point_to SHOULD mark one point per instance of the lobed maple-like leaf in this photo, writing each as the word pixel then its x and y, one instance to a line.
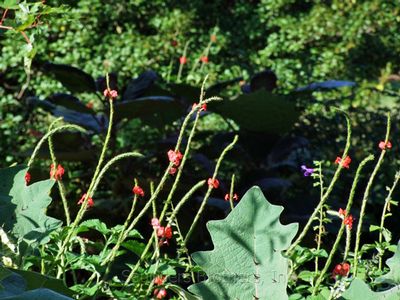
pixel 23 208
pixel 247 261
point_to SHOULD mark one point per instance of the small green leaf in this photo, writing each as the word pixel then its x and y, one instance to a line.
pixel 374 228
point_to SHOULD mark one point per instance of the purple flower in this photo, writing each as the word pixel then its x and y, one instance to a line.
pixel 307 171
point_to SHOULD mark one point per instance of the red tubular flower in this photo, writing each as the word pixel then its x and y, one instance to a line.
pixel 164 234
pixel 27 178
pixel 175 157
pixel 235 197
pixel 204 59
pixel 204 107
pixel 342 212
pixel 159 280
pixel 155 223
pixel 110 93
pixel 345 163
pixel 348 221
pixel 214 183
pixel 384 146
pixel 182 60
pixel 342 269
pixel 90 202
pixel 56 174
pixel 137 190
pixel 160 294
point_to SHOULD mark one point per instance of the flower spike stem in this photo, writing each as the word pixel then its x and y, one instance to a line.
pixel 321 214
pixel 210 188
pixel 50 133
pixel 328 191
pixel 90 191
pixel 342 226
pixel 61 187
pixel 385 208
pixel 366 195
pixel 231 191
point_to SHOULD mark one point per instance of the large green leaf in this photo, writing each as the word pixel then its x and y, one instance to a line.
pixel 359 290
pixel 22 207
pixel 260 111
pixel 247 260
pixel 393 276
pixel 18 287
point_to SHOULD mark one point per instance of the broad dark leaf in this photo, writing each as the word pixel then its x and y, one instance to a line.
pixel 260 111
pixel 327 85
pixel 69 102
pixel 74 79
pixel 153 110
pixel 138 86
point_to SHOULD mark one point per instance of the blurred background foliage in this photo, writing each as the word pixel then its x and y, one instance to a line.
pixel 322 53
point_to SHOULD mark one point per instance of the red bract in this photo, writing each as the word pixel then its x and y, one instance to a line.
pixel 345 163
pixel 137 190
pixel 160 294
pixel 213 182
pixel 342 212
pixel 175 157
pixel 90 202
pixel 342 269
pixel 182 60
pixel 155 223
pixel 110 93
pixel 348 221
pixel 235 197
pixel 159 280
pixel 56 174
pixel 27 178
pixel 204 59
pixel 385 146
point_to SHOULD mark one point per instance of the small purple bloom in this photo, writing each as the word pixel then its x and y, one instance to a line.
pixel 307 171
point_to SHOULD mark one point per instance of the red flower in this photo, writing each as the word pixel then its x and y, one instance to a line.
pixel 342 269
pixel 90 201
pixel 110 93
pixel 164 234
pixel 345 163
pixel 159 280
pixel 137 190
pixel 27 178
pixel 213 38
pixel 175 157
pixel 342 212
pixel 172 171
pixel 182 60
pixel 160 294
pixel 235 197
pixel 214 183
pixel 56 174
pixel 348 221
pixel 204 59
pixel 204 107
pixel 384 146
pixel 89 105
pixel 155 223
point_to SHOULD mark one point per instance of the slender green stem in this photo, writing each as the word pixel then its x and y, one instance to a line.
pixel 321 216
pixel 342 227
pixel 61 187
pixel 327 193
pixel 383 217
pixel 231 191
pixel 366 196
pixel 348 243
pixel 203 204
pixel 181 65
pixel 90 191
pixel 50 133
